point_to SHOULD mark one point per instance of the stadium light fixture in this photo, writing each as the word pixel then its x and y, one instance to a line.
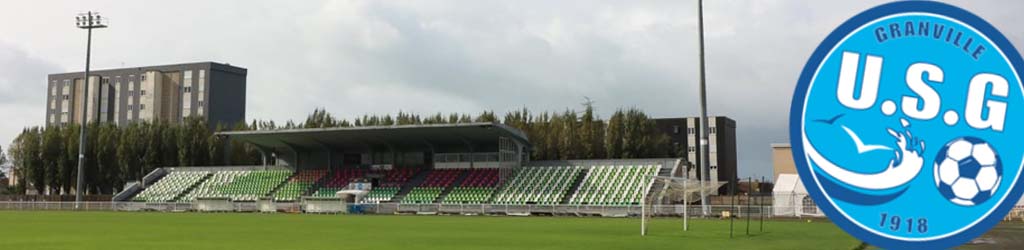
pixel 88 21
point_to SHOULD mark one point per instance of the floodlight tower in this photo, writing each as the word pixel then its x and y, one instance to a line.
pixel 705 170
pixel 88 21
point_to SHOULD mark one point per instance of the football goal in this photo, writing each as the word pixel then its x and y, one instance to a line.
pixel 667 191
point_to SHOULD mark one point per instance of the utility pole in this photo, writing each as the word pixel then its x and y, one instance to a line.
pixel 88 21
pixel 705 169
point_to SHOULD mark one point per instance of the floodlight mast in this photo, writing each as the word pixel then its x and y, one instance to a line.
pixel 88 21
pixel 705 169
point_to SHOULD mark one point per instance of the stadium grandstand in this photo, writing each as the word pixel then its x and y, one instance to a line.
pixel 451 164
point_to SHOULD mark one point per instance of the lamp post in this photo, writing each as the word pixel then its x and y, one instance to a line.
pixel 88 21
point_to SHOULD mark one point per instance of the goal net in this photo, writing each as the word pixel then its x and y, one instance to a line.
pixel 323 205
pixel 669 196
pixel 214 204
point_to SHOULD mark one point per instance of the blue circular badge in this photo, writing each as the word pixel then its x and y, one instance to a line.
pixel 905 126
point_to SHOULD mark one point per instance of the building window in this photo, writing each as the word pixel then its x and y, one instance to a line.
pixel 675 129
pixel 105 80
pixel 142 92
pixel 142 106
pixel 67 83
pixel 142 77
pixel 65 97
pixel 713 130
pixel 187 81
pixel 200 104
pixel 202 80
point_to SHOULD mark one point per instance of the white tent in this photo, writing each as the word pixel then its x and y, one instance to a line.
pixel 790 198
pixel 1017 212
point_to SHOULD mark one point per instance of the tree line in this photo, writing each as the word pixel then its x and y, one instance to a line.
pixel 571 134
pixel 47 157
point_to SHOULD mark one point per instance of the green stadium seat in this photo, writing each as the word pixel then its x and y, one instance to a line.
pixel 435 183
pixel 239 185
pixel 537 185
pixel 477 188
pixel 299 184
pixel 171 186
pixel 613 185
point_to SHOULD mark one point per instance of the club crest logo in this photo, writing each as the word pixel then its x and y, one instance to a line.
pixel 906 126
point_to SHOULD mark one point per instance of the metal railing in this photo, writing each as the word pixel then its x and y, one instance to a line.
pixel 397 208
pixel 1017 214
pixel 56 205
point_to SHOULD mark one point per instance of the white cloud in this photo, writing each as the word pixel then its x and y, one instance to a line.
pixel 22 91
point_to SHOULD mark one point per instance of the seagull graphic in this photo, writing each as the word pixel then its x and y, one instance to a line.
pixel 830 121
pixel 861 148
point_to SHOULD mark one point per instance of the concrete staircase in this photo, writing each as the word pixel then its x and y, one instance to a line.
pixel 190 188
pixel 280 185
pixel 318 184
pixel 413 182
pixel 135 188
pixel 458 182
pixel 575 185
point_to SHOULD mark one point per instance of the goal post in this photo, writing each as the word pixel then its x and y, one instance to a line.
pixel 674 189
pixel 214 204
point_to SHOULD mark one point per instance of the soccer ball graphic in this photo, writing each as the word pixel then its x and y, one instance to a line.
pixel 968 171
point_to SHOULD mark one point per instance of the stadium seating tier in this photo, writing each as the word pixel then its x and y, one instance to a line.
pixel 171 186
pixel 538 185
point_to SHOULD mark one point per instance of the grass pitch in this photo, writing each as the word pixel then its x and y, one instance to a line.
pixel 195 231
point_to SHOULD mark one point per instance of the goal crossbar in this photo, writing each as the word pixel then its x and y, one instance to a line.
pixel 674 187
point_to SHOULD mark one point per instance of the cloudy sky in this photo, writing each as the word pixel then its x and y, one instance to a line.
pixel 427 56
